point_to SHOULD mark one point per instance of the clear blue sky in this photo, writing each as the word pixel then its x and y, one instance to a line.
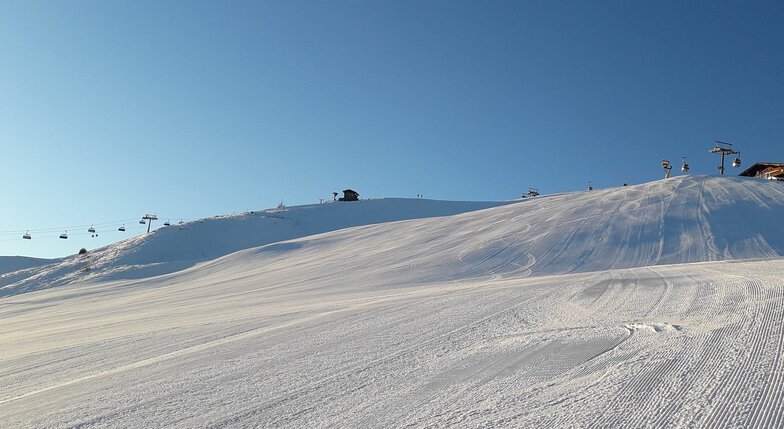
pixel 187 109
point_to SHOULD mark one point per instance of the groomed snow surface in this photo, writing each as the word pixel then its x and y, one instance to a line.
pixel 656 305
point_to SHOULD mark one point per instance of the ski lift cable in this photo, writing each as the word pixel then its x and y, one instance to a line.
pixel 97 226
pixel 56 234
pixel 74 227
pixel 85 232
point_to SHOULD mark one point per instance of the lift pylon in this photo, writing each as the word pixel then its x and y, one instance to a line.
pixel 725 149
pixel 149 218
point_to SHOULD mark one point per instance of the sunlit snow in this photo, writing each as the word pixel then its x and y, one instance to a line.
pixel 655 305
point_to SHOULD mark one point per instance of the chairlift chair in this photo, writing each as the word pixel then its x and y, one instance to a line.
pixel 684 166
pixel 121 229
pixel 91 229
pixel 64 235
pixel 27 236
pixel 667 168
pixel 142 222
pixel 736 161
pixel 167 223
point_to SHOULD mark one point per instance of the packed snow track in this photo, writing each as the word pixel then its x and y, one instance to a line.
pixel 696 345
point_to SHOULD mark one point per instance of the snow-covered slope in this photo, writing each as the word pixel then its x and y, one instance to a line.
pixel 697 345
pixel 10 264
pixel 177 247
pixel 683 219
pixel 590 309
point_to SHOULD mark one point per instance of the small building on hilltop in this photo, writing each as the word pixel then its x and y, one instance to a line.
pixel 349 195
pixel 765 170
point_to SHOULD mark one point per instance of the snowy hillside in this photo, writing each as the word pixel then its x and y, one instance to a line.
pixel 684 219
pixel 591 309
pixel 174 248
pixel 10 264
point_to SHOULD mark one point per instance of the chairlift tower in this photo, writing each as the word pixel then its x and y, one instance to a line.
pixel 725 149
pixel 149 218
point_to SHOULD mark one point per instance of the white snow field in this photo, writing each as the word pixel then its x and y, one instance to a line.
pixel 655 305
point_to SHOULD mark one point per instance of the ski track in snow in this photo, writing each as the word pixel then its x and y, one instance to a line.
pixel 695 345
pixel 622 308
